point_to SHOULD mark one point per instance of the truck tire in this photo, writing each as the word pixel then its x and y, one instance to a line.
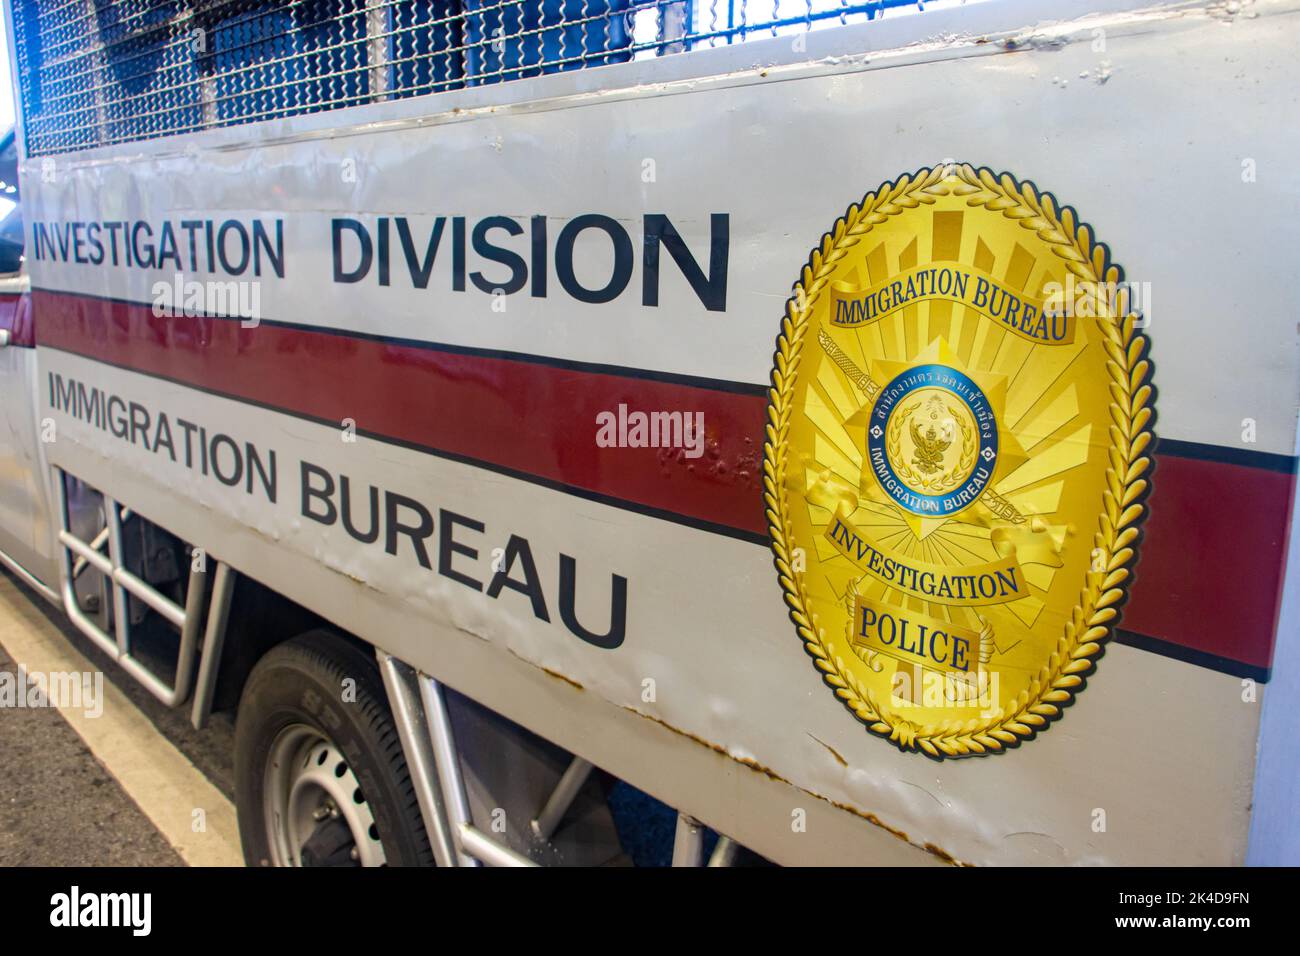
pixel 320 778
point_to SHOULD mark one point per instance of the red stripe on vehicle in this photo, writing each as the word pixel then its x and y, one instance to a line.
pixel 1211 571
pixel 1209 578
pixel 523 416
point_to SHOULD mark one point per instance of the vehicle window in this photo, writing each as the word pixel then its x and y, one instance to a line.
pixel 11 218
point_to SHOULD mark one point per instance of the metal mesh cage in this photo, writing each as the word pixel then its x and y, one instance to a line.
pixel 97 72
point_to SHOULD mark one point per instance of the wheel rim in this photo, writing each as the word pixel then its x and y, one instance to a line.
pixel 314 804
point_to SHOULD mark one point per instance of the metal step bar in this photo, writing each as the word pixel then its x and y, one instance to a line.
pixel 124 583
pixel 31 580
pixel 566 791
pixel 420 712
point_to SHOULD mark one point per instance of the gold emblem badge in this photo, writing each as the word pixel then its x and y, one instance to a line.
pixel 957 457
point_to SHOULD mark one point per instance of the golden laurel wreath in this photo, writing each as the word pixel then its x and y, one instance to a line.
pixel 947 480
pixel 1115 541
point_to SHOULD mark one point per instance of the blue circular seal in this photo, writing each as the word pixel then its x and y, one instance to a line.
pixel 932 440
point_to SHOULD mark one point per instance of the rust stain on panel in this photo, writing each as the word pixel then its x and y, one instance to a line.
pixel 558 676
pixel 834 753
pixel 757 767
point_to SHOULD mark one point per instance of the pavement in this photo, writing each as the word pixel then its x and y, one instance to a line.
pixel 58 805
pixel 165 801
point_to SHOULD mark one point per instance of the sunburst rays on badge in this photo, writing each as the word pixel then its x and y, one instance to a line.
pixel 1043 407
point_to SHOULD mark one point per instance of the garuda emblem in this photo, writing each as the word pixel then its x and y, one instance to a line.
pixel 957 458
pixel 929 447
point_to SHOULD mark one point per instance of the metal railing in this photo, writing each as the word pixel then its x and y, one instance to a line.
pixel 98 72
pixel 76 556
pixel 424 726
